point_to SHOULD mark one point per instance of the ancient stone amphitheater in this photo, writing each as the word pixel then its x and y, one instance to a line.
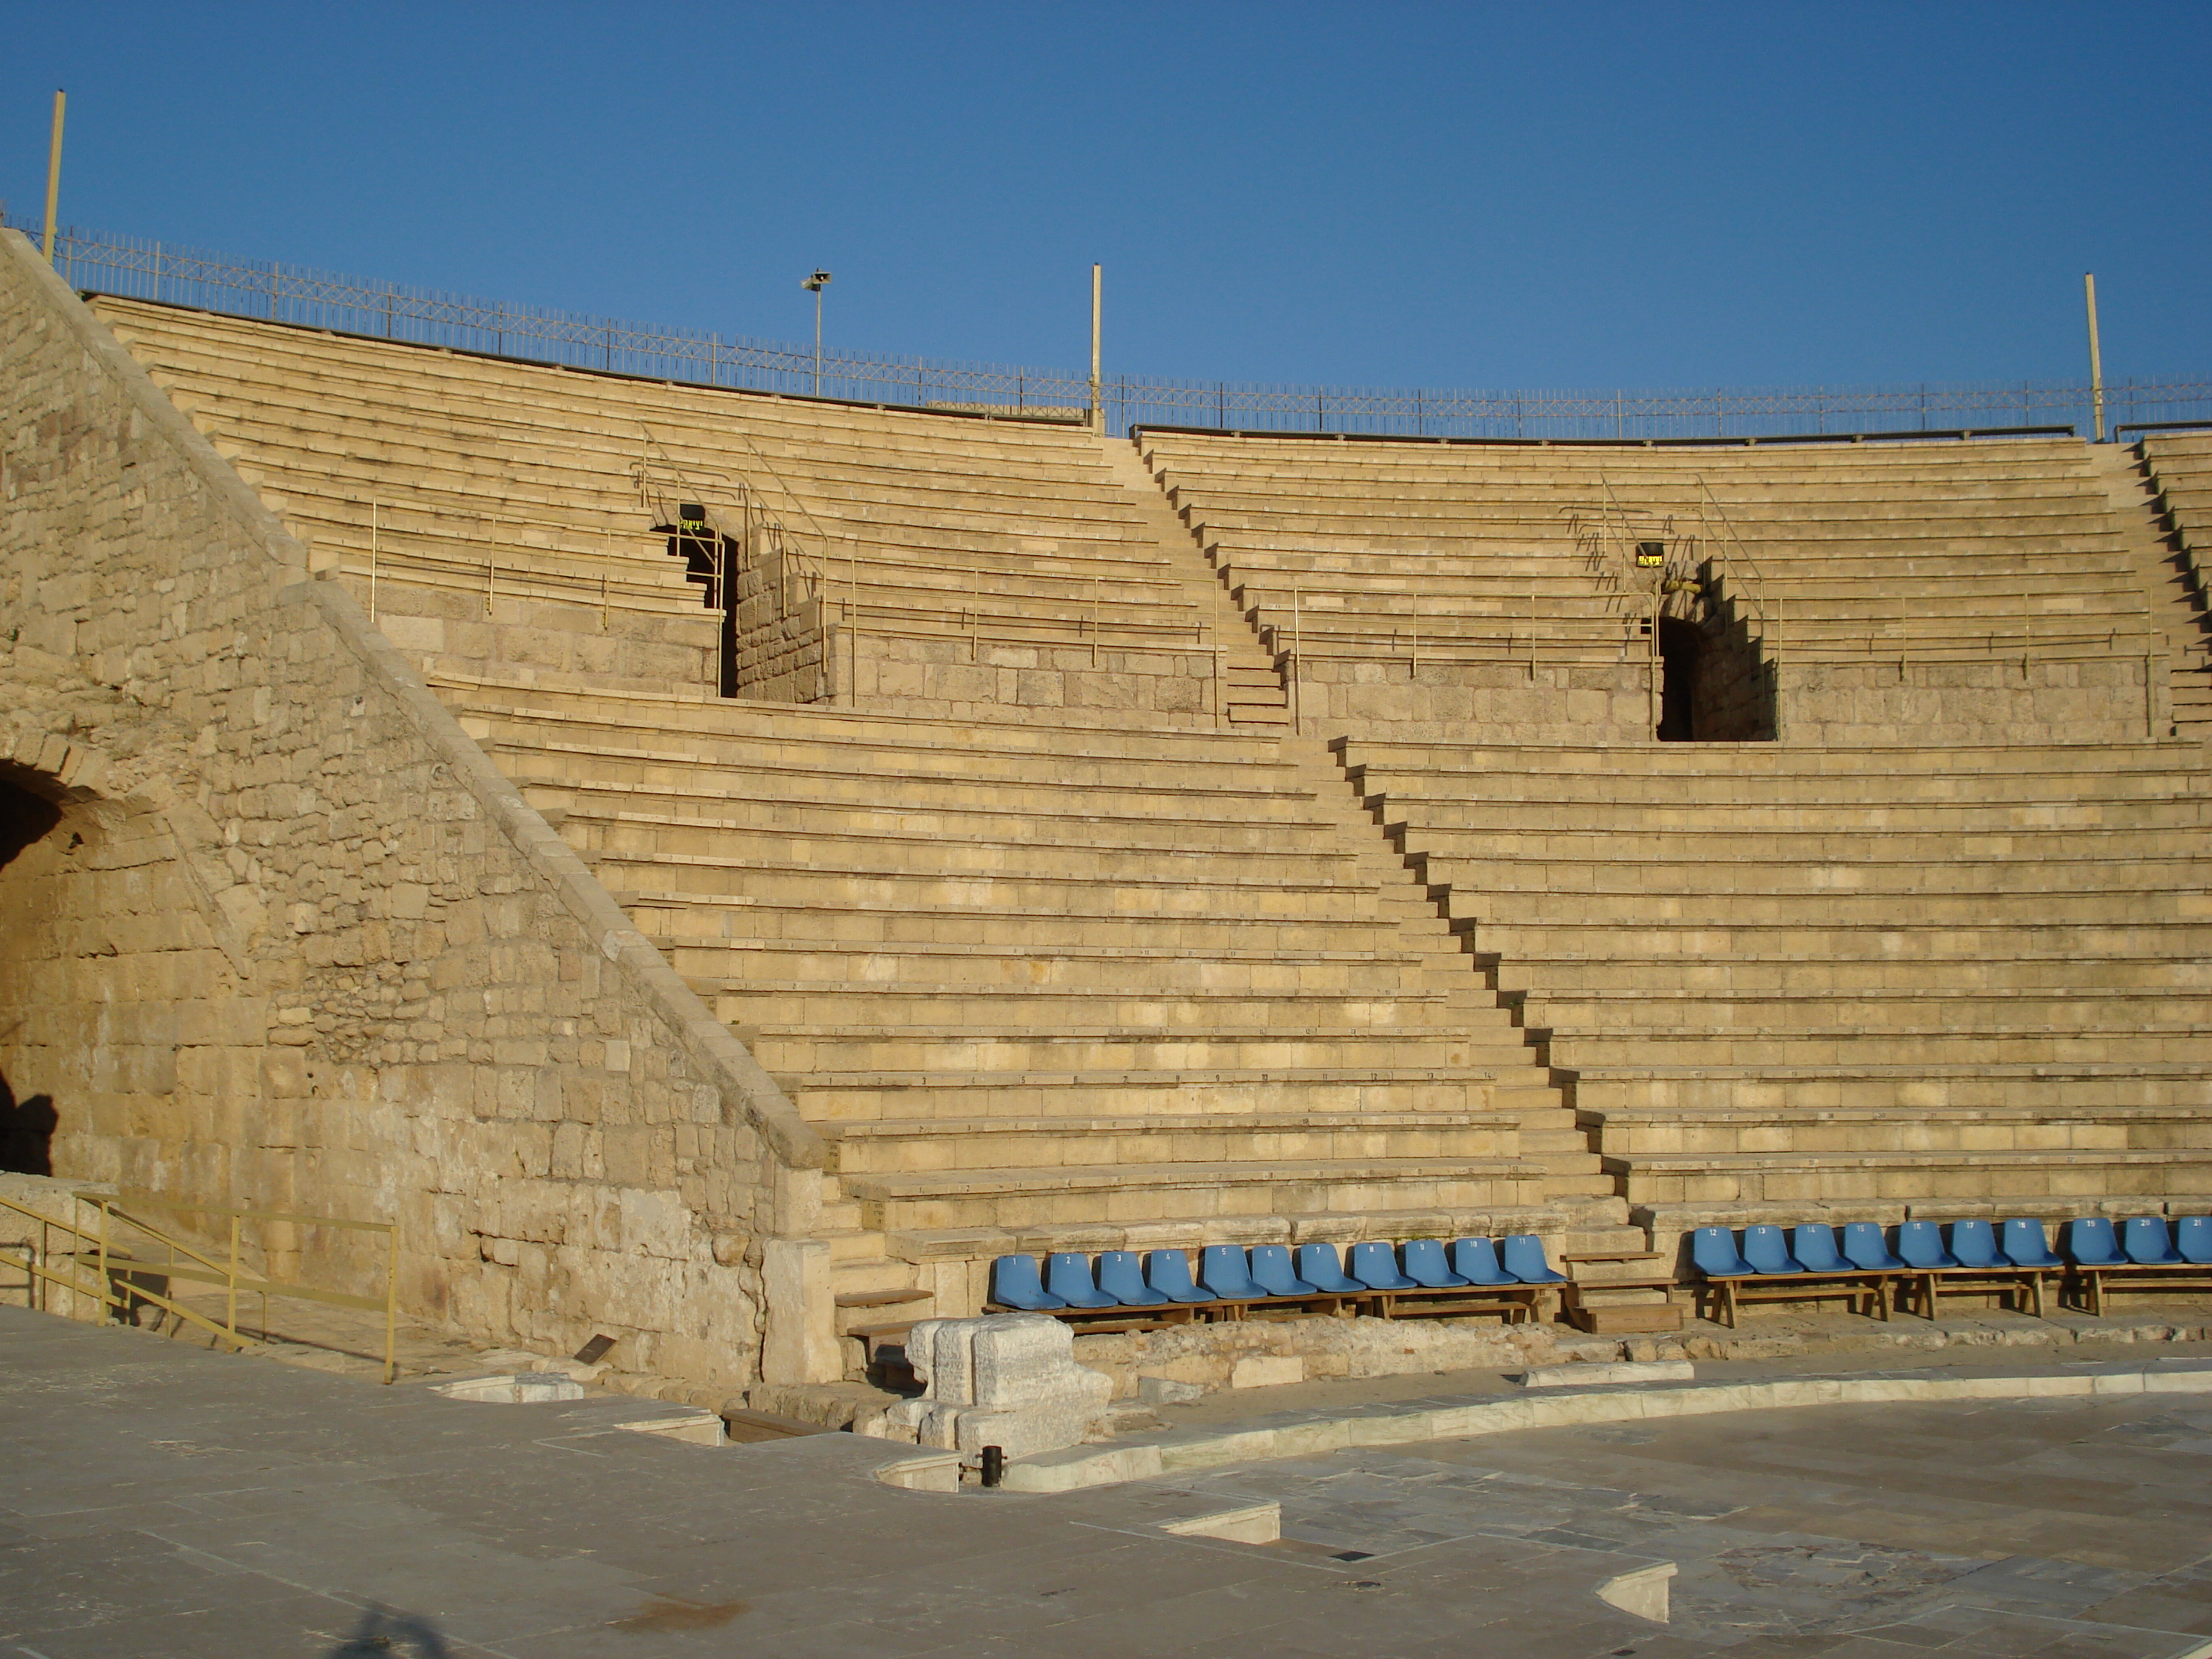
pixel 715 866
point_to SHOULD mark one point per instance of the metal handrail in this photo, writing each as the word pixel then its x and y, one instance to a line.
pixel 1734 551
pixel 97 1250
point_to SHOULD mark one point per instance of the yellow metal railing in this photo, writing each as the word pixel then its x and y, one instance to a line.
pixel 104 1258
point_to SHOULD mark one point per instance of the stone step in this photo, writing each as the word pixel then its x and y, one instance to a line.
pixel 1899 1178
pixel 673 917
pixel 1321 1095
pixel 1917 1085
pixel 1701 1131
pixel 1016 1199
pixel 974 1146
pixel 1931 1044
pixel 909 1013
pixel 786 1049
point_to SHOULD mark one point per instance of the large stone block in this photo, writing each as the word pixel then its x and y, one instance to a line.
pixel 1004 1380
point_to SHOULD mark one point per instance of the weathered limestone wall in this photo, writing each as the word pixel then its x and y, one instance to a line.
pixel 1891 699
pixel 295 944
pixel 778 645
pixel 1499 702
pixel 953 677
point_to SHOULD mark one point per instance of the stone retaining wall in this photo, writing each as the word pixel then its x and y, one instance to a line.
pixel 294 943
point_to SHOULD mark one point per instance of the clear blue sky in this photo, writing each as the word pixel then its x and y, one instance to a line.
pixel 1465 195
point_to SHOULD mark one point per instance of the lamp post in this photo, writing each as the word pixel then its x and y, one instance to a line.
pixel 814 285
pixel 2096 359
pixel 54 172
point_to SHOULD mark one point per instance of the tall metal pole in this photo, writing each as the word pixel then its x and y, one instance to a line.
pixel 2096 362
pixel 815 285
pixel 54 172
pixel 1098 405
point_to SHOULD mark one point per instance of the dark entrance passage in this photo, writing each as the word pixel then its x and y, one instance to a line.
pixel 709 560
pixel 27 1126
pixel 1681 655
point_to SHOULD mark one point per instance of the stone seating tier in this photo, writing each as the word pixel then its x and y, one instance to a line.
pixel 1892 580
pixel 966 565
pixel 1776 972
pixel 1042 982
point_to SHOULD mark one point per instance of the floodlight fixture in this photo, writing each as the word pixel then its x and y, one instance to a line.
pixel 814 285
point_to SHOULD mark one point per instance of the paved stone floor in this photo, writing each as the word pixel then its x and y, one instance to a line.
pixel 164 1502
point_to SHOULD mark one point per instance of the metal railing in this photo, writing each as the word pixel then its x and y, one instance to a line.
pixel 112 1259
pixel 97 261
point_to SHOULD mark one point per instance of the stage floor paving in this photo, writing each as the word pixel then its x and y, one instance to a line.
pixel 161 1501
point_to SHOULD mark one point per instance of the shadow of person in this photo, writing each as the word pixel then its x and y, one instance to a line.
pixel 379 1635
pixel 27 1133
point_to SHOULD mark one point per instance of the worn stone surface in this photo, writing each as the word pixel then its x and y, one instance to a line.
pixel 198 1507
pixel 296 944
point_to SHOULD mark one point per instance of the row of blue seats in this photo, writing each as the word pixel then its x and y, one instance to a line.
pixel 1227 1273
pixel 2091 1242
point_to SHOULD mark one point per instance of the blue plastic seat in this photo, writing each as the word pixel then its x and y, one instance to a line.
pixel 1768 1251
pixel 2148 1245
pixel 1423 1260
pixel 1121 1276
pixel 1271 1272
pixel 2092 1243
pixel 1814 1245
pixel 1524 1259
pixel 1862 1243
pixel 1975 1244
pixel 1475 1259
pixel 2192 1239
pixel 1222 1270
pixel 1713 1249
pixel 1014 1284
pixel 1068 1277
pixel 2025 1246
pixel 1168 1272
pixel 1375 1265
pixel 1921 1244
pixel 1321 1267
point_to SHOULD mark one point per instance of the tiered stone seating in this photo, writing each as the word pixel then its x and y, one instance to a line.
pixel 2175 469
pixel 491 550
pixel 1783 975
pixel 1449 584
pixel 944 565
pixel 1057 988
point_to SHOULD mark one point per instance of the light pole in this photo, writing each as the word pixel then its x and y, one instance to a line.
pixel 1098 403
pixel 2096 360
pixel 54 171
pixel 814 285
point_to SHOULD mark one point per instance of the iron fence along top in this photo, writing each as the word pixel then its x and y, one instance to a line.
pixel 131 267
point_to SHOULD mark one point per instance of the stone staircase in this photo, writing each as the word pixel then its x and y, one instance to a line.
pixel 2161 488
